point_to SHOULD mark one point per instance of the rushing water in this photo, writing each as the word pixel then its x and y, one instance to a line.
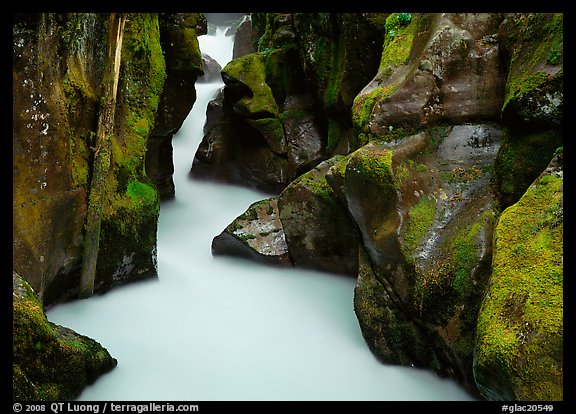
pixel 227 329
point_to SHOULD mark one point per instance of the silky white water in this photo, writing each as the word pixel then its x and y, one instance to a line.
pixel 227 329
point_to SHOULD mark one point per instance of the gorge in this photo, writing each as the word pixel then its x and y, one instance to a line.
pixel 228 329
pixel 377 194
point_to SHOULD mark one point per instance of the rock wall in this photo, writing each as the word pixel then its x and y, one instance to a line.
pixel 461 112
pixel 57 76
pixel 179 40
pixel 58 62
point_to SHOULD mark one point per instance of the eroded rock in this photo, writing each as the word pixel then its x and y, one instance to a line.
pixel 257 234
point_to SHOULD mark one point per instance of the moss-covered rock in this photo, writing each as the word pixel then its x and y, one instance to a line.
pixel 307 69
pixel 534 45
pixel 58 69
pixel 129 217
pixel 519 347
pixel 372 199
pixel 54 116
pixel 434 66
pixel 425 211
pixel 253 97
pixel 50 362
pixel 261 132
pixel 533 104
pixel 184 64
pixel 319 231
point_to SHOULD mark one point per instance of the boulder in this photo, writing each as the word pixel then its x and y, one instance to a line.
pixel 256 234
pixel 434 67
pixel 319 231
pixel 211 70
pixel 50 362
pixel 425 211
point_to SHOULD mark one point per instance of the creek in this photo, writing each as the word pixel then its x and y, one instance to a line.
pixel 228 329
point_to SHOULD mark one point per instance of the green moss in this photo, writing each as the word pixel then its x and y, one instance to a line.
pixel 79 156
pixel 364 104
pixel 395 52
pixel 49 362
pixel 397 46
pixel 420 218
pixel 141 194
pixel 539 40
pixel 464 253
pixel 318 185
pixel 376 165
pixel 520 327
pixel 250 70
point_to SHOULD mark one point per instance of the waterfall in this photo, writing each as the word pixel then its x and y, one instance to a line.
pixel 227 329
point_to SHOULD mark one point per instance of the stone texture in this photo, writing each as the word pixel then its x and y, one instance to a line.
pixel 319 232
pixel 50 362
pixel 256 234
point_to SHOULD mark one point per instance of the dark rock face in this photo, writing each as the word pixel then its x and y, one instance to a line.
pixel 319 231
pixel 184 64
pixel 245 39
pixel 50 362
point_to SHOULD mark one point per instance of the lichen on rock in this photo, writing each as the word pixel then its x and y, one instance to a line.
pixel 256 234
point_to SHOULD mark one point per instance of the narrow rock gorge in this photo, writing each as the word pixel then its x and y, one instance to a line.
pixel 420 154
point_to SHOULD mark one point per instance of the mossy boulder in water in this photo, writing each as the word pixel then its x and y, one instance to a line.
pixel 519 348
pixel 50 362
